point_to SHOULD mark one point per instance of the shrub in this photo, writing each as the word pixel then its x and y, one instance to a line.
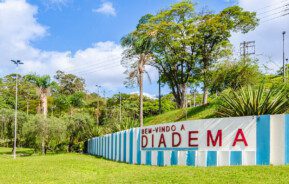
pixel 254 101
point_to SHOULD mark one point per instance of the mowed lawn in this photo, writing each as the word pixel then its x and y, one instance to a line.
pixel 78 168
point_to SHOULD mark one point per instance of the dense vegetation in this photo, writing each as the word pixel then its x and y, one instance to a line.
pixel 192 52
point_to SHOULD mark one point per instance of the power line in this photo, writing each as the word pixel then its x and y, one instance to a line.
pixel 283 11
pixel 268 6
pixel 276 8
pixel 89 65
pixel 283 15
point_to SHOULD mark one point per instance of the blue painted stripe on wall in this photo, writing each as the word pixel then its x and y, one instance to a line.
pixel 236 158
pixel 111 147
pixel 263 140
pixel 170 149
pixel 93 146
pixel 124 146
pixel 119 156
pixel 104 147
pixel 174 158
pixel 148 158
pixel 96 146
pixel 138 157
pixel 160 158
pixel 212 158
pixel 107 147
pixel 99 148
pixel 191 157
pixel 131 146
pixel 287 139
pixel 115 146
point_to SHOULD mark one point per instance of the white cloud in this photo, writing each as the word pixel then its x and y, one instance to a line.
pixel 55 4
pixel 99 64
pixel 145 94
pixel 106 8
pixel 268 35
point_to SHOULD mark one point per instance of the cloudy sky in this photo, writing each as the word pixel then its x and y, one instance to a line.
pixel 82 37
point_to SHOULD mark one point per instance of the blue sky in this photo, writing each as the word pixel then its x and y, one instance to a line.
pixel 82 37
pixel 73 25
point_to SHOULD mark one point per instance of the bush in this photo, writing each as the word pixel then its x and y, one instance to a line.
pixel 254 101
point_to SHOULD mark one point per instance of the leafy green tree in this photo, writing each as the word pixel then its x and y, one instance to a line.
pixel 174 46
pixel 234 75
pixel 69 83
pixel 80 127
pixel 213 33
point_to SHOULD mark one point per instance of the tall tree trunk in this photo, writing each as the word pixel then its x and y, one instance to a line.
pixel 183 95
pixel 141 63
pixel 205 88
pixel 205 95
pixel 43 100
pixel 141 99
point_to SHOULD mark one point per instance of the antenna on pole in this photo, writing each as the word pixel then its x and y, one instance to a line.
pixel 247 48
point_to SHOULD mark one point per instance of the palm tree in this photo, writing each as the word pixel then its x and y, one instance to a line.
pixel 138 49
pixel 43 84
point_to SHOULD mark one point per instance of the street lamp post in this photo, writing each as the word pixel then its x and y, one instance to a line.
pixel 17 62
pixel 283 33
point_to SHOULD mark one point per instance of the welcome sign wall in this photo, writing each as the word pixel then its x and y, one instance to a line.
pixel 247 140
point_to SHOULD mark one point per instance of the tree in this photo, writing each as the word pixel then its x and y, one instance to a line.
pixel 43 84
pixel 175 45
pixel 69 83
pixel 137 49
pixel 234 74
pixel 214 31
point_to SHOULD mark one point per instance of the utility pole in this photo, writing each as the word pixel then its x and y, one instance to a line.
pixel 247 48
pixel 283 33
pixel 120 118
pixel 286 69
pixel 17 62
pixel 160 97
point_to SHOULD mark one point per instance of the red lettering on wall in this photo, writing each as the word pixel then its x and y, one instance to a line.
pixel 174 134
pixel 173 128
pixel 218 138
pixel 144 137
pixel 191 138
pixel 242 139
pixel 182 127
pixel 153 142
pixel 162 141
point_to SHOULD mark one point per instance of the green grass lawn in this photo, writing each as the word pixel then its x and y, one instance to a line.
pixel 200 112
pixel 77 168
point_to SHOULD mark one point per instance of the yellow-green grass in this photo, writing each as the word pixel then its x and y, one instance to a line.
pixel 200 112
pixel 78 168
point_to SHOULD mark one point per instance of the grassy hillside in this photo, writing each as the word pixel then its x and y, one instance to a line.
pixel 201 112
pixel 77 168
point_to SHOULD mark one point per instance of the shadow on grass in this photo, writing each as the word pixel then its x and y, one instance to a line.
pixel 23 152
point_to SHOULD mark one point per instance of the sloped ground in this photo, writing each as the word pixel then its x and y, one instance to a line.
pixel 200 112
pixel 77 168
